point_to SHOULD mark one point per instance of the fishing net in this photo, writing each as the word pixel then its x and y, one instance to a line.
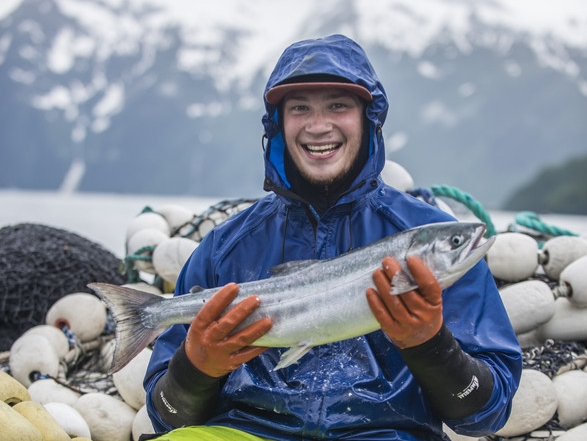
pixel 39 265
pixel 195 229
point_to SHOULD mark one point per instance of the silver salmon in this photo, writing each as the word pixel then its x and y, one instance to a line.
pixel 311 302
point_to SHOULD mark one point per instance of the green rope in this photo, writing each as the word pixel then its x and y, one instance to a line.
pixel 127 265
pixel 531 220
pixel 468 201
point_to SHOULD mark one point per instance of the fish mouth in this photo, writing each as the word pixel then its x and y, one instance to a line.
pixel 320 150
pixel 479 245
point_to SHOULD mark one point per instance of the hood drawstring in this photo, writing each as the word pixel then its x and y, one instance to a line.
pixel 284 234
pixel 351 227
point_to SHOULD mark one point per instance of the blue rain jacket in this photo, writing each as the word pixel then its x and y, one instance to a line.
pixel 357 389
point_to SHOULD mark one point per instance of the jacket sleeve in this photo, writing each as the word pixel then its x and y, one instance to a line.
pixel 455 384
pixel 481 340
pixel 183 395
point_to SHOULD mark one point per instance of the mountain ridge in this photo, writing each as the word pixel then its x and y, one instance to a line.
pixel 133 97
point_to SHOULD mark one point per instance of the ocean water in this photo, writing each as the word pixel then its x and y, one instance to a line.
pixel 104 218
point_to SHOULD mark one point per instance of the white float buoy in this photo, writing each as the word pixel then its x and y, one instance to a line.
pixel 178 219
pixel 11 390
pixel 31 354
pixel 42 420
pixel 56 337
pixel 513 257
pixel 69 419
pixel 397 176
pixel 142 286
pixel 84 314
pixel 573 282
pixel 142 240
pixel 533 405
pixel 571 390
pixel 170 256
pixel 47 390
pixel 528 304
pixel 147 220
pixel 578 433
pixel 108 418
pixel 129 379
pixel 15 426
pixel 453 436
pixel 568 322
pixel 142 425
pixel 558 252
pixel 530 339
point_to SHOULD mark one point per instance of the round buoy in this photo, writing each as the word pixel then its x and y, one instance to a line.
pixel 397 176
pixel 47 390
pixel 69 419
pixel 140 244
pixel 559 252
pixel 170 256
pixel 568 322
pixel 42 420
pixel 142 286
pixel 82 313
pixel 533 405
pixel 573 282
pixel 578 433
pixel 147 220
pixel 530 339
pixel 513 257
pixel 15 426
pixel 453 436
pixel 528 304
pixel 571 390
pixel 178 218
pixel 108 418
pixel 30 355
pixel 129 380
pixel 54 335
pixel 142 425
pixel 11 390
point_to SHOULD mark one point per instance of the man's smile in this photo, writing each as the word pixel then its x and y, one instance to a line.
pixel 321 150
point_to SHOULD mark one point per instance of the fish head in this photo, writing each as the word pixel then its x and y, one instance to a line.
pixel 450 249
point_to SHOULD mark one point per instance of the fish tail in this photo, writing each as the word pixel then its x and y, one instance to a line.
pixel 126 305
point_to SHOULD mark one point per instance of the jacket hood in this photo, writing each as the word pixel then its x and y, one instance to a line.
pixel 336 56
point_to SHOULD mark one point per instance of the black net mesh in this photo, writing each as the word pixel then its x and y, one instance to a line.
pixel 39 265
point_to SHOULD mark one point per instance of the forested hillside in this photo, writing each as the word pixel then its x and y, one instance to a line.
pixel 560 189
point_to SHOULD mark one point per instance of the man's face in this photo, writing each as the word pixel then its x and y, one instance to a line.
pixel 323 132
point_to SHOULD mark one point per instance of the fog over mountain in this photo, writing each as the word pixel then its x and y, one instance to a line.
pixel 164 97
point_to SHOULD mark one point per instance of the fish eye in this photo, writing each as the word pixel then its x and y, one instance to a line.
pixel 457 240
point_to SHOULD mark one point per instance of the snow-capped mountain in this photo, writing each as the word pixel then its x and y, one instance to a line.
pixel 160 96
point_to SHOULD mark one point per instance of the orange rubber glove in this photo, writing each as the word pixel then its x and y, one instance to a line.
pixel 411 318
pixel 209 345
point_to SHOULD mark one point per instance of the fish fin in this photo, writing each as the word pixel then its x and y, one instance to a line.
pixel 290 267
pixel 195 289
pixel 292 355
pixel 402 282
pixel 125 305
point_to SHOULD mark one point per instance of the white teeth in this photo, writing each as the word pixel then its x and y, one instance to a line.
pixel 321 149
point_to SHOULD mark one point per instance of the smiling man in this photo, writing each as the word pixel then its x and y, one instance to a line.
pixel 440 357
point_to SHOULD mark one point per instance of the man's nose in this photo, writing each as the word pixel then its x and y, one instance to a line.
pixel 318 123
